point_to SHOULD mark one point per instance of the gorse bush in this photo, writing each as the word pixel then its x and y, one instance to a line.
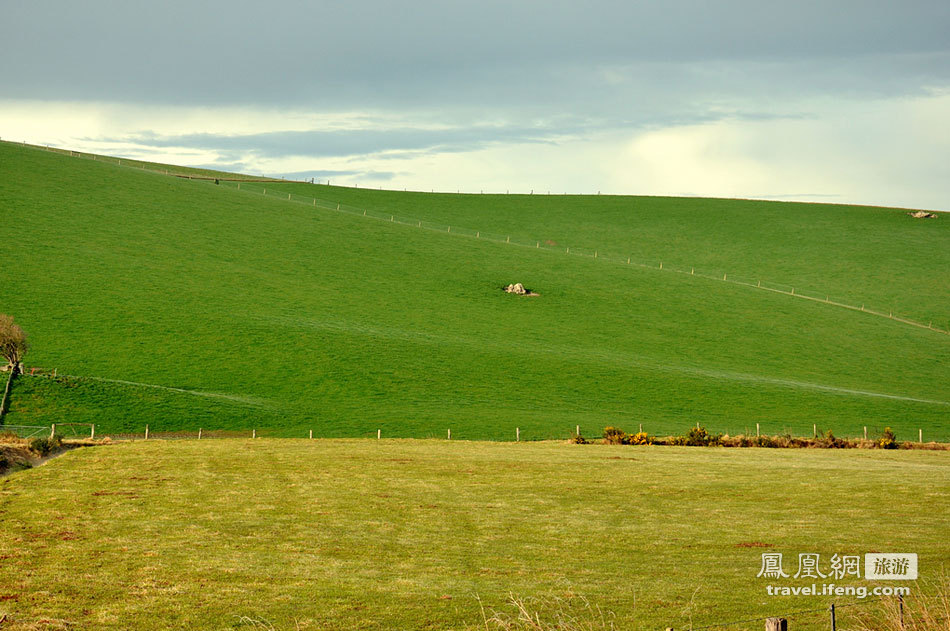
pixel 888 440
pixel 641 438
pixel 697 437
pixel 615 436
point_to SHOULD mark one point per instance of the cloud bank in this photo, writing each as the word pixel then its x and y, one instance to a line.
pixel 845 102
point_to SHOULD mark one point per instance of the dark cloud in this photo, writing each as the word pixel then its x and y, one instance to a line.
pixel 381 54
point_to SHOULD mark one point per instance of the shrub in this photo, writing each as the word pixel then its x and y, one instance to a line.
pixel 641 438
pixel 615 436
pixel 577 439
pixel 769 442
pixel 46 445
pixel 828 441
pixel 888 440
pixel 699 437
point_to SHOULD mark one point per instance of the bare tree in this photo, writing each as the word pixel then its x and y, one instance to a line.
pixel 12 341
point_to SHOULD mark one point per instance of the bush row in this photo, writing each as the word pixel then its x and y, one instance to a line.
pixel 699 437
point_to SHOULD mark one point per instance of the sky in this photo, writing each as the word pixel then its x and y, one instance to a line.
pixel 845 101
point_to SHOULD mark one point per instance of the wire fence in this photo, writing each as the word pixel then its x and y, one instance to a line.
pixel 258 185
pixel 592 253
pixel 26 431
pixel 785 440
pixel 834 617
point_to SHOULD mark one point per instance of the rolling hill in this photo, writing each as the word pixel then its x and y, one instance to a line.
pixel 184 304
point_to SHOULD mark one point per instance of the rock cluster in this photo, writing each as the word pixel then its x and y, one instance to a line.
pixel 516 288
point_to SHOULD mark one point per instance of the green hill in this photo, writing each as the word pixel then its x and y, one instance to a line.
pixel 185 304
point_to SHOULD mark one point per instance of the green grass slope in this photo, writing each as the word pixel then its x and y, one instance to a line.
pixel 392 534
pixel 182 304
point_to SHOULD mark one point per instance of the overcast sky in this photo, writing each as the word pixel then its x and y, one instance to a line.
pixel 840 101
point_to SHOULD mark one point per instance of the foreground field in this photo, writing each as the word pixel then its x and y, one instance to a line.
pixel 346 534
pixel 185 305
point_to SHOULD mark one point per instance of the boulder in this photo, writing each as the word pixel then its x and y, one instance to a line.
pixel 516 288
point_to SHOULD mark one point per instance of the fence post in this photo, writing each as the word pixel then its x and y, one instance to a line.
pixel 920 435
pixel 577 430
pixel 865 432
pixel 146 432
pixel 756 430
pixel 776 624
pixel 814 430
pixel 253 433
pixel 199 433
pixel 450 435
pixel 379 434
pixel 834 625
pixel 311 433
pixel 517 434
pixel 52 430
pixel 92 432
pixel 900 604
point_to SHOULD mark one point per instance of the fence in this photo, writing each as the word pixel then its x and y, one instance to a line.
pixel 253 184
pixel 26 431
pixel 517 434
pixel 834 617
pixel 548 246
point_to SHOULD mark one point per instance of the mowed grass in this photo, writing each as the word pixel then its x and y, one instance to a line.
pixel 396 534
pixel 224 309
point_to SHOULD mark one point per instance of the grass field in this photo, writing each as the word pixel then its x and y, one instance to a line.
pixel 360 534
pixel 182 304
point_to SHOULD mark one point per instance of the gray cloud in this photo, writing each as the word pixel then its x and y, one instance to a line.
pixel 377 54
pixel 343 142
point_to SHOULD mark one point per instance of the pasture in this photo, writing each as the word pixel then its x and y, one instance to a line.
pixel 407 534
pixel 184 305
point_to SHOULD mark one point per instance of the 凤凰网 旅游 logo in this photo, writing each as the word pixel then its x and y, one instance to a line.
pixel 877 566
pixel 890 567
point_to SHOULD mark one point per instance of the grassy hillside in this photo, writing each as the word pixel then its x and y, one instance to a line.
pixel 406 534
pixel 250 311
pixel 860 255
